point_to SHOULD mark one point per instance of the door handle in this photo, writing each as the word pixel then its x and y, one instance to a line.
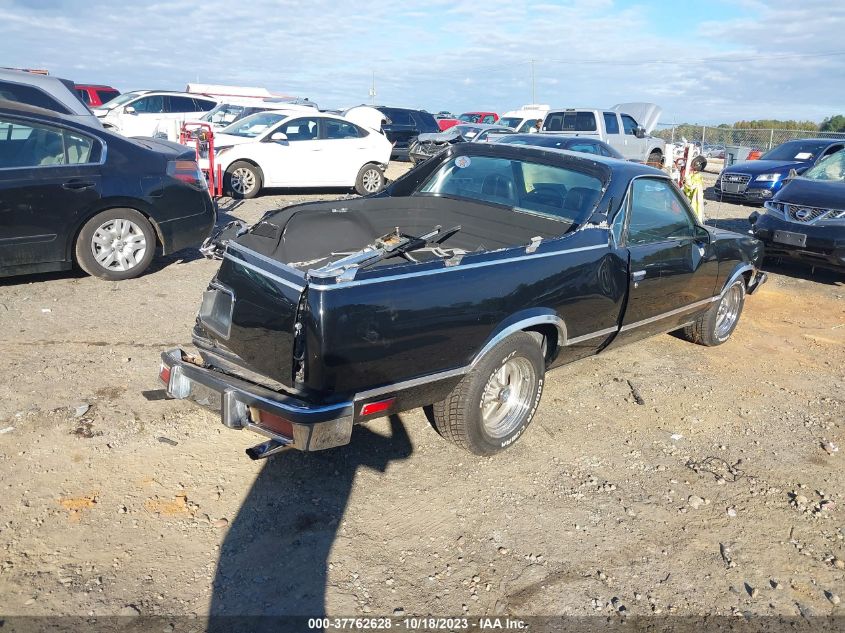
pixel 78 185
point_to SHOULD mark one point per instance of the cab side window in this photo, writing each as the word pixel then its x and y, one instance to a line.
pixel 25 144
pixel 153 104
pixel 611 123
pixel 340 129
pixel 657 213
pixel 301 129
pixel 629 124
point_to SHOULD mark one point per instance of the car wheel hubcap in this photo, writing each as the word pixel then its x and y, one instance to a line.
pixel 728 311
pixel 371 180
pixel 243 180
pixel 507 397
pixel 118 245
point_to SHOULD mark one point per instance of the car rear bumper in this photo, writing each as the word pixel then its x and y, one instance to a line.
pixel 757 195
pixel 288 421
pixel 191 230
pixel 823 245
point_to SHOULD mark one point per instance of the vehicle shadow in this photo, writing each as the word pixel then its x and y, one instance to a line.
pixel 274 559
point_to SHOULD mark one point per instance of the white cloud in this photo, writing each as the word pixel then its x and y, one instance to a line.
pixel 446 54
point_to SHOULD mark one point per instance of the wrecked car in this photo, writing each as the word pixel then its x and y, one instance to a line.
pixel 455 289
pixel 425 146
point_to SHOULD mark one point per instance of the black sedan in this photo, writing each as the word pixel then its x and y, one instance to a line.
pixel 72 194
pixel 806 219
pixel 572 143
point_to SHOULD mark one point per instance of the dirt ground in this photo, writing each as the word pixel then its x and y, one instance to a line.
pixel 715 495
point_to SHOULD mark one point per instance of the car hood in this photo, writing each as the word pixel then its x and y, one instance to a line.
pixel 755 167
pixel 827 194
pixel 230 139
pixel 646 114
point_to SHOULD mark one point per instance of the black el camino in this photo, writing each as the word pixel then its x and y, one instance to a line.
pixel 457 288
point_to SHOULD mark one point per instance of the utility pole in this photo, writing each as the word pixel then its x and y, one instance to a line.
pixel 533 95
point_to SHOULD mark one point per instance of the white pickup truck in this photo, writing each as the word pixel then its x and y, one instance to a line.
pixel 617 126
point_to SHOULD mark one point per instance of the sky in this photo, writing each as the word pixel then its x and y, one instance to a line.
pixel 702 62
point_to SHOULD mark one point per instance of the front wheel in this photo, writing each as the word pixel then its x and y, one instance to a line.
pixel 494 403
pixel 715 326
pixel 370 179
pixel 116 244
pixel 242 180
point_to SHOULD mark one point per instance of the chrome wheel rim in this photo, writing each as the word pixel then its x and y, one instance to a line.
pixel 507 397
pixel 728 311
pixel 371 180
pixel 118 245
pixel 243 180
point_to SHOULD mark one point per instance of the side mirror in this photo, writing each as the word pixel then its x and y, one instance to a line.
pixel 702 235
pixel 278 136
pixel 793 173
pixel 639 131
pixel 128 110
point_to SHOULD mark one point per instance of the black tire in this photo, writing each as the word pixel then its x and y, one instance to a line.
pixel 370 179
pixel 459 417
pixel 114 259
pixel 239 175
pixel 655 159
pixel 699 163
pixel 708 330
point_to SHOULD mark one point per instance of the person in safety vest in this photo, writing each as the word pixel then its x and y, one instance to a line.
pixel 694 185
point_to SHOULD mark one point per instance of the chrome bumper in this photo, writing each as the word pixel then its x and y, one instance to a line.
pixel 312 427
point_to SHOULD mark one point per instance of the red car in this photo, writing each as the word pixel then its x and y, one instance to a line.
pixel 444 123
pixel 93 95
pixel 479 117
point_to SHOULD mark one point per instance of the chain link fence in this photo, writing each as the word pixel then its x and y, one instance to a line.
pixel 715 139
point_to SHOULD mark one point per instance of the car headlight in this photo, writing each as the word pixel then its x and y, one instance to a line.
pixel 768 177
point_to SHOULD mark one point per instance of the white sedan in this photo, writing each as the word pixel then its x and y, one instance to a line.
pixel 296 149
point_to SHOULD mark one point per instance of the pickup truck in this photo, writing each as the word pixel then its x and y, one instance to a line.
pixel 615 127
pixel 456 289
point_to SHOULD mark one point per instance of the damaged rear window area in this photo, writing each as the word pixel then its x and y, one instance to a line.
pixel 559 193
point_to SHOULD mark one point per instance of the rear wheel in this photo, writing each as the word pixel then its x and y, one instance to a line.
pixel 116 244
pixel 370 179
pixel 242 180
pixel 715 326
pixel 494 403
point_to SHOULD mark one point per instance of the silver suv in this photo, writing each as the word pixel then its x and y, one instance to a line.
pixel 43 91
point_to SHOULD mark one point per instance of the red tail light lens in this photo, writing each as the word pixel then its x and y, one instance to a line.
pixel 164 374
pixel 372 408
pixel 187 171
pixel 272 421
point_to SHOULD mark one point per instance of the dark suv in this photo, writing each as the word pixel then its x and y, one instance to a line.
pixel 403 125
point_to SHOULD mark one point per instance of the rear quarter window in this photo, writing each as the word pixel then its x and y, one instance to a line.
pixel 30 96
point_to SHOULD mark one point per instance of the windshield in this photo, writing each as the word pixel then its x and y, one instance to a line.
pixel 120 100
pixel 805 151
pixel 254 125
pixel 511 121
pixel 227 113
pixel 469 117
pixel 559 193
pixel 831 168
pixel 468 131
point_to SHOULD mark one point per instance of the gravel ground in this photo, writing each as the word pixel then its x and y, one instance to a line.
pixel 714 495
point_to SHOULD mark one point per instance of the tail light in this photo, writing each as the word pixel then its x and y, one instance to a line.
pixel 188 171
pixel 373 408
pixel 272 421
